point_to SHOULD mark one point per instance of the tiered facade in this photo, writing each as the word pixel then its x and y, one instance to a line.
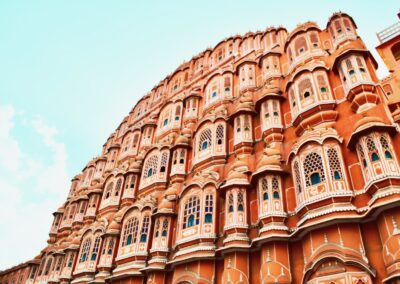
pixel 271 158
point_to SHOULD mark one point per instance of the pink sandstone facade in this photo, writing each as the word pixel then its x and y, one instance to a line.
pixel 271 158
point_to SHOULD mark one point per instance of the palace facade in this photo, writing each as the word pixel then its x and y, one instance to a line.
pixel 271 158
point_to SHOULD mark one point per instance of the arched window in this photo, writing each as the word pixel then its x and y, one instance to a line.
pixel 296 170
pixel 177 112
pixel 96 247
pixel 70 259
pixel 305 89
pixel 130 231
pixel 205 140
pixel 191 215
pixel 85 250
pixel 396 51
pixel 240 201
pixel 300 45
pixel 164 161
pixel 165 123
pixel 182 157
pixel 372 150
pixel 334 164
pixel 313 169
pixel 145 229
pixel 385 147
pixel 230 203
pixel 118 187
pixel 48 266
pixel 208 208
pixel 220 134
pixel 264 189
pixel 110 246
pixel 150 167
pixel 109 189
pixel 275 187
pixel 164 228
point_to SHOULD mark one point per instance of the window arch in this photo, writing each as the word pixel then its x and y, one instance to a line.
pixel 109 189
pixel 130 231
pixel 155 168
pixel 118 187
pixel 145 229
pixel 48 265
pixel 150 167
pixel 164 228
pixel 313 169
pixel 191 215
pixel 95 249
pixel 208 209
pixel 220 134
pixel 205 140
pixel 300 45
pixel 334 164
pixel 85 250
pixel 396 51
pixel 297 176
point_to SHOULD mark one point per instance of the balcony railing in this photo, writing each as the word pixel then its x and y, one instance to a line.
pixel 389 33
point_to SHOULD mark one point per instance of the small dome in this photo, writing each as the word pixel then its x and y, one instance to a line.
pixel 172 192
pixel 76 241
pixel 235 175
pixel 166 205
pixel 365 121
pixel 182 139
pixel 114 226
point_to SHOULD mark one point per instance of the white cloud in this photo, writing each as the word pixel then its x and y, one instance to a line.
pixel 10 153
pixel 31 188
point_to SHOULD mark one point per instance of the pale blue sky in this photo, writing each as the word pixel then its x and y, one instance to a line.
pixel 71 70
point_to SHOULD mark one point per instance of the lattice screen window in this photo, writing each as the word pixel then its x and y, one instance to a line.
pixel 334 164
pixel 109 189
pixel 182 157
pixel 85 250
pixel 164 228
pixel 177 112
pixel 275 187
pixel 362 155
pixel 58 264
pixel 264 186
pixel 372 150
pixel 220 134
pixel 96 248
pixel 240 202
pixel 145 229
pixel 70 261
pixel 230 203
pixel 118 187
pixel 150 167
pixel 305 89
pixel 300 45
pixel 323 86
pixel 191 216
pixel 314 39
pixel 205 140
pixel 157 228
pixel 48 266
pixel 313 169
pixel 164 161
pixel 130 231
pixel 208 209
pixel 386 147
